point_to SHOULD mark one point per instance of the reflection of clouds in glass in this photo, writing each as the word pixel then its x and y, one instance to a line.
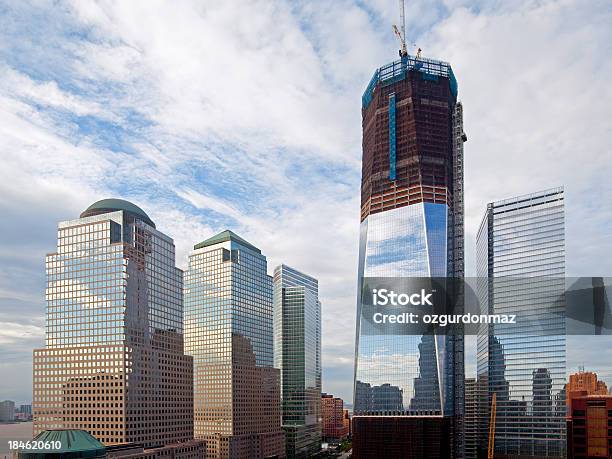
pixel 410 241
pixel 381 368
pixel 74 289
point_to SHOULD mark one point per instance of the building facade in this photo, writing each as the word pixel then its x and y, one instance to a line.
pixel 297 354
pixel 113 363
pixel 411 226
pixel 521 269
pixel 332 411
pixel 471 419
pixel 589 428
pixel 228 331
pixel 347 422
pixel 584 383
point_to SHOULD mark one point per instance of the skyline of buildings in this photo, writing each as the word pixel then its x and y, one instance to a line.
pixel 411 226
pixel 297 354
pixel 118 307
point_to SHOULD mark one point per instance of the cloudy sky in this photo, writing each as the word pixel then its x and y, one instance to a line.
pixel 246 115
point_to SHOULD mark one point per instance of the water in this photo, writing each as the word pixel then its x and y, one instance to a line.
pixel 16 431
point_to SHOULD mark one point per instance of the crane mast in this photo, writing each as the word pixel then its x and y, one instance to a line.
pixel 403 50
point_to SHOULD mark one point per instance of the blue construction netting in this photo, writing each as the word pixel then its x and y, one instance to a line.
pixel 397 70
pixel 392 153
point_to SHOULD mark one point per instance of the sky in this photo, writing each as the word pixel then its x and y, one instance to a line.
pixel 246 115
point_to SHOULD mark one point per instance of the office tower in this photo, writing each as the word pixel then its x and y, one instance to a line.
pixel 228 331
pixel 113 363
pixel 521 267
pixel 471 419
pixel 589 433
pixel 7 411
pixel 297 354
pixel 411 226
pixel 332 412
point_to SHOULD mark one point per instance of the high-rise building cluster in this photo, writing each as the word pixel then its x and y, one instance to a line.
pixel 411 398
pixel 224 360
pixel 151 361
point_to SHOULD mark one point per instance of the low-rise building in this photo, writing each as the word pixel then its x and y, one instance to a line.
pixel 332 410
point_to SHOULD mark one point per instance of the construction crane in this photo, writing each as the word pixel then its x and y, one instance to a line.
pixel 401 34
pixel 491 450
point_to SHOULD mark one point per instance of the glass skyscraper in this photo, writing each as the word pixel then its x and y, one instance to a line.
pixel 113 362
pixel 297 354
pixel 521 269
pixel 228 331
pixel 411 226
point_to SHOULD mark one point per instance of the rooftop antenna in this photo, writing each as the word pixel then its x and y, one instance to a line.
pixel 401 34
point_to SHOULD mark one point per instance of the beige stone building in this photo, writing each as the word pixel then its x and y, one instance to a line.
pixel 113 363
pixel 228 331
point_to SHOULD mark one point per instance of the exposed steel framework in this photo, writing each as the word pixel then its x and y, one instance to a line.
pixel 416 99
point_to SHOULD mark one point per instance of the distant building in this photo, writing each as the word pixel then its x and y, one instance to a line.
pixel 332 410
pixel 7 411
pixel 346 420
pixel 589 434
pixel 470 419
pixel 25 409
pixel 584 383
pixel 297 354
pixel 228 331
pixel 113 362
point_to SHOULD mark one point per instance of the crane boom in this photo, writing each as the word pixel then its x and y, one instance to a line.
pixel 491 449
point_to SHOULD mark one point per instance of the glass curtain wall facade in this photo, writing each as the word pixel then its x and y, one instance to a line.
pixel 113 362
pixel 228 331
pixel 297 354
pixel 521 269
pixel 411 226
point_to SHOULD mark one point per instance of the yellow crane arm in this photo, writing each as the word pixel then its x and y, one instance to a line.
pixel 492 427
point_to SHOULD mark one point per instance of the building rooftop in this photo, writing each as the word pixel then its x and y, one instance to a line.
pixel 225 236
pixel 74 444
pixel 113 205
pixel 397 71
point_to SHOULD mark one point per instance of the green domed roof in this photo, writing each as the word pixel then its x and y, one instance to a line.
pixel 73 444
pixel 112 205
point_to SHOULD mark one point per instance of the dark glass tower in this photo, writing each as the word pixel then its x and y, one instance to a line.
pixel 411 226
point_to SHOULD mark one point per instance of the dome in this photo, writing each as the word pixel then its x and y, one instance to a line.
pixel 113 205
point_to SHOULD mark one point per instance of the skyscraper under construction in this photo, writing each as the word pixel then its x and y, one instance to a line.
pixel 409 389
